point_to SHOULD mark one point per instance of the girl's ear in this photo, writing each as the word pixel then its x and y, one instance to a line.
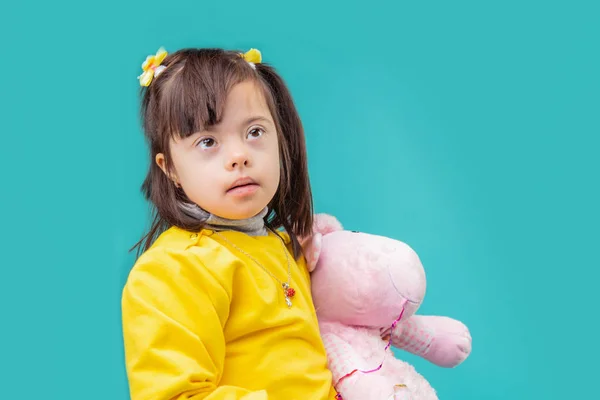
pixel 160 161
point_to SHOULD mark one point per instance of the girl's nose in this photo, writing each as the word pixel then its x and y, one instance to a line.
pixel 239 157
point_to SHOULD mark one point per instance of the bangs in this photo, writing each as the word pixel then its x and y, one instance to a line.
pixel 194 96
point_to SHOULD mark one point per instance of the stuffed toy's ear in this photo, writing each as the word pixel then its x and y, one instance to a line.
pixel 324 224
pixel 311 248
pixel 311 245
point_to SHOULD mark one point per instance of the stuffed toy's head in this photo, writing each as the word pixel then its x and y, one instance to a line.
pixel 361 279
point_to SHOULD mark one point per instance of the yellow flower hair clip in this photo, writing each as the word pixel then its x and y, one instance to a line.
pixel 152 67
pixel 252 56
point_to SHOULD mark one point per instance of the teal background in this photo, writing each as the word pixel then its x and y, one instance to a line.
pixel 468 129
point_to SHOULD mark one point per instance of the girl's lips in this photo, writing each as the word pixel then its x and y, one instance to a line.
pixel 241 182
pixel 243 190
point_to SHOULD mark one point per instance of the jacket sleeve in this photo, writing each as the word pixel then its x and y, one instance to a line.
pixel 173 313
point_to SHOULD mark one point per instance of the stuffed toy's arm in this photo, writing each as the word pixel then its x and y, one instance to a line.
pixel 343 360
pixel 443 341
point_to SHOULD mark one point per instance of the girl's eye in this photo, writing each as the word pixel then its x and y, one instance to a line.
pixel 207 143
pixel 255 133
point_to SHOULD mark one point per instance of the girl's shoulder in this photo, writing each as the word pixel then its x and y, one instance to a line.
pixel 180 251
pixel 176 238
pixel 176 273
pixel 181 239
pixel 217 253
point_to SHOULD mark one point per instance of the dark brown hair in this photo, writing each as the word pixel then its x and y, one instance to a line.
pixel 188 96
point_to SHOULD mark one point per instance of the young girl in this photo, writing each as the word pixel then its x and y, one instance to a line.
pixel 218 306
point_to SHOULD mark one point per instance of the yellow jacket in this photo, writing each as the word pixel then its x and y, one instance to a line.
pixel 202 321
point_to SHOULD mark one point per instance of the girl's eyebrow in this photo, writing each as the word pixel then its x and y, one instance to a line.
pixel 247 121
pixel 255 118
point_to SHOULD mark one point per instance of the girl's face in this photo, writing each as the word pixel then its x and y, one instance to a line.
pixel 231 169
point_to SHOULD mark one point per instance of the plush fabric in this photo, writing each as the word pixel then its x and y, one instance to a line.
pixel 366 290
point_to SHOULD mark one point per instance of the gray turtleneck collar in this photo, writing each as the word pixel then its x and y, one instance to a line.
pixel 253 226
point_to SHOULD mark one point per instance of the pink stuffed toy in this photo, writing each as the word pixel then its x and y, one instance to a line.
pixel 366 289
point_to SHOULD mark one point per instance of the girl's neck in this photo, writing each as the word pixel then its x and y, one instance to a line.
pixel 253 226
